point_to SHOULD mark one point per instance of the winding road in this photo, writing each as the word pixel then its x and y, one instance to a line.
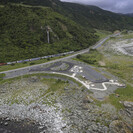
pixel 26 70
pixel 68 57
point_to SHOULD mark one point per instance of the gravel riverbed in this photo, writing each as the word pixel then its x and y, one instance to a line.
pixel 27 105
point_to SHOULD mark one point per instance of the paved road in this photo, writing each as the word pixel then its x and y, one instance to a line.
pixel 100 43
pixel 25 70
pixel 104 40
pixel 87 71
pixel 53 61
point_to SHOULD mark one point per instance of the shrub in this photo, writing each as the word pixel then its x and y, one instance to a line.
pixel 32 63
pixel 25 62
pixel 58 81
pixel 2 76
pixel 12 64
pixel 78 56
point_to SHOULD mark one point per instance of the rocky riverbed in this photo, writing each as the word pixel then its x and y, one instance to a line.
pixel 39 105
pixel 119 47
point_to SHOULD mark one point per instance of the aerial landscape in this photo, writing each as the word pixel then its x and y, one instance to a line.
pixel 66 66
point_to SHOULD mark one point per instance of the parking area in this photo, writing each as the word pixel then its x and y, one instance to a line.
pixel 84 71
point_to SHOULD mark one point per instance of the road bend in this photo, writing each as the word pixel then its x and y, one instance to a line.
pixel 61 59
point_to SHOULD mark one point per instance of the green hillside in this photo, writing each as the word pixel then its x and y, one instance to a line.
pixel 24 24
pixel 92 16
pixel 87 16
pixel 23 33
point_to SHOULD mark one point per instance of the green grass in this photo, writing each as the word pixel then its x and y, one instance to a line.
pixel 40 74
pixel 121 66
pixel 55 85
pixel 128 36
pixel 125 94
pixel 124 36
pixel 1 6
pixel 24 5
pixel 119 96
pixel 102 34
pixel 92 58
pixel 2 76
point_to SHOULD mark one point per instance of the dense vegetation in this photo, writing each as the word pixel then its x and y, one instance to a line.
pixel 92 58
pixel 23 33
pixel 24 23
pixel 87 16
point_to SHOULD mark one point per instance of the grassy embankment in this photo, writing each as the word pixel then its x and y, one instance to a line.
pixel 2 76
pixel 128 36
pixel 39 74
pixel 92 58
pixel 102 34
pixel 119 65
pixel 121 94
pixel 26 64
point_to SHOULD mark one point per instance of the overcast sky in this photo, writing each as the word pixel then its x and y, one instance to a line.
pixel 119 6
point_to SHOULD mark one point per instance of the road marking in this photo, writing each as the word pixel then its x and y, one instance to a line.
pixel 74 74
pixel 104 86
pixel 71 76
pixel 86 84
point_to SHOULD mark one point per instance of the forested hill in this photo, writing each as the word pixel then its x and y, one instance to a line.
pixel 24 24
pixel 87 16
pixel 23 33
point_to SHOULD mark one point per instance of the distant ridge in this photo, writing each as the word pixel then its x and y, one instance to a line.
pixel 129 14
pixel 87 16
